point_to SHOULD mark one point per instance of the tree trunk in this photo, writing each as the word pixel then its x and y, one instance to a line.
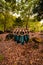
pixel 27 25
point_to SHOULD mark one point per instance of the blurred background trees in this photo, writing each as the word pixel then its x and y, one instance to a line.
pixel 30 11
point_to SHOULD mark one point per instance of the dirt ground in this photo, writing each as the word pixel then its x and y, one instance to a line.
pixel 17 54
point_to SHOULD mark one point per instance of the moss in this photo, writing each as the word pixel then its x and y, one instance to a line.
pixel 1 57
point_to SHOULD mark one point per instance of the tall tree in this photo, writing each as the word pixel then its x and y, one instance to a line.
pixel 39 9
pixel 25 7
pixel 4 9
pixel 18 22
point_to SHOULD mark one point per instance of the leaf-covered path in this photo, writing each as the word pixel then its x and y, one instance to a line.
pixel 17 54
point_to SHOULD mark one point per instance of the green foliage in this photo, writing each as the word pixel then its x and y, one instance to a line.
pixel 39 9
pixel 6 21
pixel 23 7
pixel 18 22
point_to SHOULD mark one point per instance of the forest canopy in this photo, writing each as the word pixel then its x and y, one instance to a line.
pixel 30 14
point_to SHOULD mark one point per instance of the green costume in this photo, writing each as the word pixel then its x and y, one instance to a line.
pixel 22 38
pixel 18 39
pixel 26 37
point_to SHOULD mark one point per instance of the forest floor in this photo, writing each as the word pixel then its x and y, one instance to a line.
pixel 12 53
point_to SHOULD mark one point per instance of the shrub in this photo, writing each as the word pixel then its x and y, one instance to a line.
pixel 36 40
pixel 9 36
pixel 1 32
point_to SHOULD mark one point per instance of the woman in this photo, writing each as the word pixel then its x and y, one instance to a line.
pixel 22 37
pixel 14 36
pixel 26 37
pixel 18 37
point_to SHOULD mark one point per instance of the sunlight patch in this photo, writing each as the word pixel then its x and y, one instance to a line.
pixel 41 21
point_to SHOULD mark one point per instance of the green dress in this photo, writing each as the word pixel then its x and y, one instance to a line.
pixel 17 38
pixel 15 35
pixel 22 38
pixel 26 37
